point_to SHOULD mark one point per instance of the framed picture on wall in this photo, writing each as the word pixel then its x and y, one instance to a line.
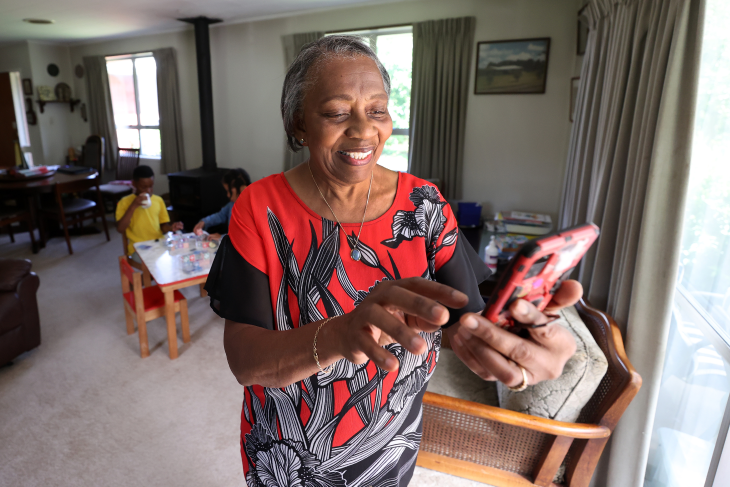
pixel 512 67
pixel 27 87
pixel 582 35
pixel 573 96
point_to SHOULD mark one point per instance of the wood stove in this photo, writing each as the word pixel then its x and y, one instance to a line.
pixel 198 192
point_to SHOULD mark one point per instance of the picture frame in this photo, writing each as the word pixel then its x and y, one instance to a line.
pixel 582 34
pixel 573 96
pixel 46 93
pixel 28 104
pixel 516 66
pixel 31 118
pixel 27 87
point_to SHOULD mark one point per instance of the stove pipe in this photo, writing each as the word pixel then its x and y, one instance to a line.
pixel 205 88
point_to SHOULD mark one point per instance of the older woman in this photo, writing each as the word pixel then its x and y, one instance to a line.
pixel 336 280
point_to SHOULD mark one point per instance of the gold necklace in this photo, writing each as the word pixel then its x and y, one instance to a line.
pixel 355 254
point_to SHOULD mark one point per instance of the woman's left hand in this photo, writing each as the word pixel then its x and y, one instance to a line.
pixel 494 353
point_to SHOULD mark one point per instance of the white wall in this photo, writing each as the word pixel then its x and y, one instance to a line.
pixel 55 122
pixel 515 147
pixel 17 58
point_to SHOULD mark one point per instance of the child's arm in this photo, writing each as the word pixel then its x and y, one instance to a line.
pixel 124 221
pixel 219 218
pixel 171 227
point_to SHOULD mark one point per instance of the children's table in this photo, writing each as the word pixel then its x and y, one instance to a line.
pixel 170 276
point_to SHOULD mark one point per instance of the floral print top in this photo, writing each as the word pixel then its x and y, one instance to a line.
pixel 283 266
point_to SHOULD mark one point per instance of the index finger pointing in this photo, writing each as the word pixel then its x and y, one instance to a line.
pixel 446 295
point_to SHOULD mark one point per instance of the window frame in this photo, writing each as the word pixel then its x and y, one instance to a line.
pixel 372 34
pixel 133 57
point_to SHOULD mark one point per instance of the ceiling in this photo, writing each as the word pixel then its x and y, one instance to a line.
pixel 84 20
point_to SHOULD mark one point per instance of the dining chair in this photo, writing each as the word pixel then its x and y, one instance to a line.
pixel 144 304
pixel 16 214
pixel 127 161
pixel 73 211
pixel 146 276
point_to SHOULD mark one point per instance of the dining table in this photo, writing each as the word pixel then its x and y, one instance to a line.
pixel 169 275
pixel 32 187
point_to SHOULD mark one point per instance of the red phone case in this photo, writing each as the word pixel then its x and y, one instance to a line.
pixel 538 269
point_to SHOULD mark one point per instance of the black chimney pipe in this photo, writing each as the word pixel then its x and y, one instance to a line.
pixel 205 88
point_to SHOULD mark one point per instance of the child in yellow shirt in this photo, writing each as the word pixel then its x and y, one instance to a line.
pixel 139 221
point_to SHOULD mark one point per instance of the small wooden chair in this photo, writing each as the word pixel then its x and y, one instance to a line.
pixel 510 449
pixel 75 210
pixel 145 304
pixel 146 276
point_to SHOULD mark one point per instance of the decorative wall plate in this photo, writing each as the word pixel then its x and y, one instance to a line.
pixel 53 69
pixel 79 71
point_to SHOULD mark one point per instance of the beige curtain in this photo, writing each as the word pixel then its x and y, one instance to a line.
pixel 293 43
pixel 101 115
pixel 172 158
pixel 627 172
pixel 442 51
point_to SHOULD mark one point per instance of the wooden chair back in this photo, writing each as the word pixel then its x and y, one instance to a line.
pixel 94 152
pixel 132 281
pixel 507 448
pixel 127 161
pixel 614 394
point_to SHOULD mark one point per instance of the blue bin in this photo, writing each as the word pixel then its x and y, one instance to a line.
pixel 469 214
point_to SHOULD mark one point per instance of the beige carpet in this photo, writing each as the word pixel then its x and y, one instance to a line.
pixel 84 410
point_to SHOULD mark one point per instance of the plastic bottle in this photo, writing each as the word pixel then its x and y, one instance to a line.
pixel 491 253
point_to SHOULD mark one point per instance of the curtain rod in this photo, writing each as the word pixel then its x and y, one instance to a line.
pixel 145 51
pixel 392 26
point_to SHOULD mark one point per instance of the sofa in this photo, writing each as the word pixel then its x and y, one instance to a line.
pixel 20 328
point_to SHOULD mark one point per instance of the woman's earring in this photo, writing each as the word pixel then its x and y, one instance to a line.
pixel 301 141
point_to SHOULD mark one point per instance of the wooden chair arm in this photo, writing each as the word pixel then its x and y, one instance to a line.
pixel 543 425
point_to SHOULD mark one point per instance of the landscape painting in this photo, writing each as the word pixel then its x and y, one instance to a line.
pixel 517 66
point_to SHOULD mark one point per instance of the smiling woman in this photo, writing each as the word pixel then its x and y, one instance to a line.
pixel 335 281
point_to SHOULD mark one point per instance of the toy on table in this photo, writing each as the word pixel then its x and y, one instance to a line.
pixel 195 261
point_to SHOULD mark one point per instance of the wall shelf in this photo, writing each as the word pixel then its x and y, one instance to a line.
pixel 71 103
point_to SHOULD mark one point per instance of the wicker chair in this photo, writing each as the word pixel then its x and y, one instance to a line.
pixel 506 448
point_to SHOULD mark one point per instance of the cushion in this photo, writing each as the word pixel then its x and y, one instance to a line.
pixel 12 271
pixel 563 398
pixel 115 188
pixel 453 378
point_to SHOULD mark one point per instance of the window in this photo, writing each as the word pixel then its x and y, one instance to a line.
pixel 689 445
pixel 394 47
pixel 133 86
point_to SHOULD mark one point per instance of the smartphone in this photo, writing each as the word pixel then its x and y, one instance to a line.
pixel 537 270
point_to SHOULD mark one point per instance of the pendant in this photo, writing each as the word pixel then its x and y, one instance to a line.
pixel 355 254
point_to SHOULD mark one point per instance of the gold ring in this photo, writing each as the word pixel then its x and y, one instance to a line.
pixel 524 384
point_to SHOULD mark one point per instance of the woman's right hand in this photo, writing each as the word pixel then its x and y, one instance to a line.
pixel 395 311
pixel 198 228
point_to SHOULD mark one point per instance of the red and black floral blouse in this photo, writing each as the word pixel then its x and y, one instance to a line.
pixel 283 266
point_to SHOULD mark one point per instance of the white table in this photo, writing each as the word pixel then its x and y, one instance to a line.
pixel 170 276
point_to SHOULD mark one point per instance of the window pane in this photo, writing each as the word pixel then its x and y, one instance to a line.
pixel 147 91
pixel 705 262
pixel 395 153
pixel 128 138
pixel 151 145
pixel 121 85
pixel 692 400
pixel 396 53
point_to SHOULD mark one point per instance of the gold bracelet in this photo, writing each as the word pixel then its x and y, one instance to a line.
pixel 314 347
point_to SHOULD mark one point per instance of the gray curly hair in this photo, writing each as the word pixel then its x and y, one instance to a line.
pixel 297 82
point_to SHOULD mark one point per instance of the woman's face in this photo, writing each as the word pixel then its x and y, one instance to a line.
pixel 345 117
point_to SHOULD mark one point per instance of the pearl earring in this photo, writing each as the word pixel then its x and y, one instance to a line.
pixel 301 141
